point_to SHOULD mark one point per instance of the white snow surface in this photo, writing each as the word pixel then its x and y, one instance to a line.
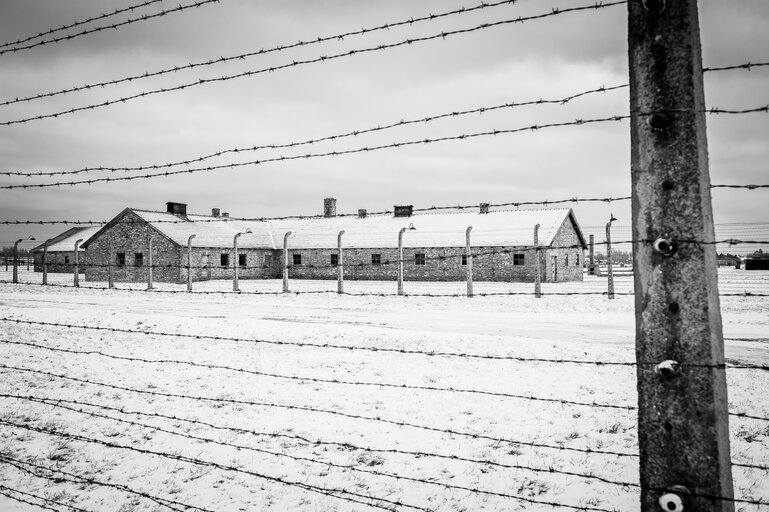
pixel 262 447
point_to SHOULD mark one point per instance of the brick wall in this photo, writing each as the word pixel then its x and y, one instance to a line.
pixel 206 264
pixel 57 262
pixel 131 235
pixel 563 264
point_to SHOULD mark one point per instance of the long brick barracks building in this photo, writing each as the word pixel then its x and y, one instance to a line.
pixel 433 245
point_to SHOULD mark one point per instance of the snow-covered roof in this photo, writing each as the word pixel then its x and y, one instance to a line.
pixel 65 242
pixel 496 228
pixel 209 231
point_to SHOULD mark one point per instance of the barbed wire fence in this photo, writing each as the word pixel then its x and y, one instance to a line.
pixel 53 339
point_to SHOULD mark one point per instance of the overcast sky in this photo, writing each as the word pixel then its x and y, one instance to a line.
pixel 550 59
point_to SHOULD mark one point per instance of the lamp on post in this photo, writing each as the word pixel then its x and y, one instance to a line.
pixel 16 257
pixel 235 261
pixel 189 263
pixel 77 262
pixel 609 267
pixel 400 256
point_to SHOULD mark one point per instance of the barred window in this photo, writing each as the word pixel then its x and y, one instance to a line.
pixel 334 260
pixel 518 259
pixel 376 259
pixel 464 259
pixel 120 259
pixel 224 260
pixel 297 259
pixel 138 259
pixel 242 260
pixel 419 258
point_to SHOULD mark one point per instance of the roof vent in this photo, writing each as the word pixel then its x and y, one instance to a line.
pixel 215 212
pixel 329 207
pixel 176 208
pixel 403 211
pixel 362 213
pixel 484 208
pixel 225 214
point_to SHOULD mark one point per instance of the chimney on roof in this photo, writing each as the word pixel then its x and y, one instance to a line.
pixel 176 208
pixel 225 214
pixel 329 207
pixel 362 213
pixel 402 211
pixel 484 208
pixel 215 212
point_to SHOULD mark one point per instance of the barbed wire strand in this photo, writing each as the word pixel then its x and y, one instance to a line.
pixel 334 137
pixel 65 476
pixel 22 500
pixel 82 22
pixel 338 493
pixel 366 149
pixel 209 219
pixel 323 58
pixel 279 48
pixel 355 468
pixel 41 498
pixel 384 385
pixel 113 26
pixel 747 66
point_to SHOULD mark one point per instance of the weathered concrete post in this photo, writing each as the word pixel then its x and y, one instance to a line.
pixel 537 265
pixel 235 262
pixel 45 262
pixel 77 262
pixel 189 263
pixel 609 265
pixel 469 257
pixel 285 261
pixel 16 260
pixel 400 260
pixel 149 273
pixel 340 263
pixel 110 278
pixel 591 266
pixel 683 421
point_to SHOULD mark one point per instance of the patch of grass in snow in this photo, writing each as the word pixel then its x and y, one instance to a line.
pixel 751 435
pixel 532 487
pixel 62 451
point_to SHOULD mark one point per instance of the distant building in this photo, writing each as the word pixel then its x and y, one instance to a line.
pixel 59 251
pixel 434 245
pixel 727 260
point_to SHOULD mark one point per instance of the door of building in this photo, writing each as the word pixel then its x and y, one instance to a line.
pixel 555 268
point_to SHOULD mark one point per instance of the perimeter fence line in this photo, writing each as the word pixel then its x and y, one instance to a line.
pixel 113 26
pixel 352 467
pixel 334 137
pixel 429 353
pixel 515 204
pixel 78 23
pixel 279 48
pixel 333 492
pixel 47 473
pixel 366 149
pixel 6 491
pixel 322 58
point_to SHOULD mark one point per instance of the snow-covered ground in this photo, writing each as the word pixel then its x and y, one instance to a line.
pixel 270 418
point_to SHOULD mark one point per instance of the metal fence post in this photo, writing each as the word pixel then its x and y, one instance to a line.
pixel 537 265
pixel 77 262
pixel 189 263
pixel 609 265
pixel 149 274
pixel 683 427
pixel 340 263
pixel 285 261
pixel 469 257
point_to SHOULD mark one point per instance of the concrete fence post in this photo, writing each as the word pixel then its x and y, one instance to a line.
pixel 77 262
pixel 110 277
pixel 340 263
pixel 45 262
pixel 400 260
pixel 469 257
pixel 149 270
pixel 609 265
pixel 537 265
pixel 189 263
pixel 683 417
pixel 285 261
pixel 591 266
